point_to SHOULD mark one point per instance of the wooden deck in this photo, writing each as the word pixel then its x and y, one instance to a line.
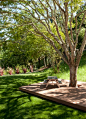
pixel 73 97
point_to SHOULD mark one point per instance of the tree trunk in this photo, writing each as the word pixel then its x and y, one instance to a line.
pixel 38 62
pixel 44 62
pixel 73 76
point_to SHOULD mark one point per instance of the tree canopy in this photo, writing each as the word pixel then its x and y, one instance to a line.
pixel 37 17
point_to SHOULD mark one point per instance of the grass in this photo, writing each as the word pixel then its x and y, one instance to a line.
pixel 15 104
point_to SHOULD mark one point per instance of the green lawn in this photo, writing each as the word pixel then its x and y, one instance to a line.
pixel 15 104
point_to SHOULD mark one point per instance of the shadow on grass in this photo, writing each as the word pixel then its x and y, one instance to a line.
pixel 15 104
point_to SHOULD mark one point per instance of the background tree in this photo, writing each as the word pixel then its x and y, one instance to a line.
pixel 80 17
pixel 26 46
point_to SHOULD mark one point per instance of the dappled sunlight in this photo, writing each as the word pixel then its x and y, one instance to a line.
pixel 15 104
pixel 65 95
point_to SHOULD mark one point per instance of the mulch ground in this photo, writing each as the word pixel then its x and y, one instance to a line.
pixel 70 96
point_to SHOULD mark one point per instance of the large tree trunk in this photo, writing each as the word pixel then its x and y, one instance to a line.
pixel 73 76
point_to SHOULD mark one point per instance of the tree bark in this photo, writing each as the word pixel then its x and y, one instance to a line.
pixel 73 76
pixel 38 62
pixel 45 64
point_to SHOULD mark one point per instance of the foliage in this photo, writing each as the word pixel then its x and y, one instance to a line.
pixel 83 7
pixel 81 36
pixel 26 50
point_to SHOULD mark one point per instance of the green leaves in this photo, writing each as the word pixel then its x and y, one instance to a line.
pixel 24 17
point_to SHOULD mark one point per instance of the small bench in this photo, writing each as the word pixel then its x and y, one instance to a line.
pixel 51 78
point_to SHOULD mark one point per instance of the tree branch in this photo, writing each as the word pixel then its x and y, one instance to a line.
pixel 66 32
pixel 71 24
pixel 59 6
pixel 77 33
pixel 49 41
pixel 78 58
